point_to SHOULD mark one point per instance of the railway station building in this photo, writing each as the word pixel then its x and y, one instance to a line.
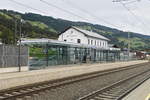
pixel 78 35
pixel 74 46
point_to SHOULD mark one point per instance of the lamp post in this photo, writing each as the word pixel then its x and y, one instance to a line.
pixel 15 32
pixel 19 55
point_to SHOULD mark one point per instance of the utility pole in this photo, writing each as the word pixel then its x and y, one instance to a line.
pixel 20 35
pixel 19 55
pixel 15 31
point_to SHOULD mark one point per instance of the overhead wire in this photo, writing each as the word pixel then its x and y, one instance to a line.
pixel 137 18
pixel 29 7
pixel 125 0
pixel 141 13
pixel 83 10
pixel 124 3
pixel 26 6
pixel 64 10
pixel 91 14
pixel 130 2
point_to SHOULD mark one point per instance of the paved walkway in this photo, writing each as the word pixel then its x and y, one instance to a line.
pixel 140 93
pixel 8 80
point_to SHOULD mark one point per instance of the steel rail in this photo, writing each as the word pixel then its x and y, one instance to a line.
pixel 43 86
pixel 109 93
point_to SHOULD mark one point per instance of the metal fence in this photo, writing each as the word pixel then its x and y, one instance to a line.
pixel 42 55
pixel 9 56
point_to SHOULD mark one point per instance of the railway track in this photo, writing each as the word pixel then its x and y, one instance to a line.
pixel 119 89
pixel 40 91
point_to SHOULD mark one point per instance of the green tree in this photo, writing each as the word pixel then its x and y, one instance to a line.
pixel 6 35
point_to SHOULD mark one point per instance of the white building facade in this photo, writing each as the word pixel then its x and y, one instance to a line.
pixel 80 36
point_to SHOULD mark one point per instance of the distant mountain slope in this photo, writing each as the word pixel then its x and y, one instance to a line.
pixel 38 26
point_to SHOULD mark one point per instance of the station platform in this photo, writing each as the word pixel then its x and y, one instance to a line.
pixel 10 80
pixel 140 93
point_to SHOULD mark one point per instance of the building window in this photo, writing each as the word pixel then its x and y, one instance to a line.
pixel 100 43
pixel 78 40
pixel 65 40
pixel 91 42
pixel 88 41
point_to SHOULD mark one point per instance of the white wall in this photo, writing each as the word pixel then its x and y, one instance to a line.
pixel 72 35
pixel 97 42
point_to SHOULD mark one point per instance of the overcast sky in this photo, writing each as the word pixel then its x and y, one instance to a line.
pixel 103 12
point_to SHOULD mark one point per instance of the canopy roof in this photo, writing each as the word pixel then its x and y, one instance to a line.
pixel 61 43
pixel 88 33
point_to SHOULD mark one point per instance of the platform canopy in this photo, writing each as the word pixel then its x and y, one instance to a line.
pixel 61 43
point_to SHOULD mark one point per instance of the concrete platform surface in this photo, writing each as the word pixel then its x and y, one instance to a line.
pixel 140 93
pixel 9 80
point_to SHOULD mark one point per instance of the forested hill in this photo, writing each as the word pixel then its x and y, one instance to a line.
pixel 38 26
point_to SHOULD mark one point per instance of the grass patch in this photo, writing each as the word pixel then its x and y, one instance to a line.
pixel 38 24
pixel 5 15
